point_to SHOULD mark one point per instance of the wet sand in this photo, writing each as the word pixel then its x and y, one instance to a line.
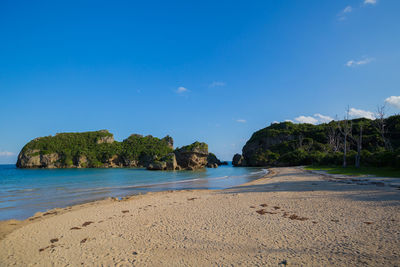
pixel 291 216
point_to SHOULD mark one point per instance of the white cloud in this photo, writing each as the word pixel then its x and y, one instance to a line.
pixel 359 113
pixel 369 2
pixel 217 84
pixel 306 119
pixel 316 119
pixel 241 120
pixel 182 89
pixel 6 154
pixel 355 63
pixel 393 101
pixel 274 122
pixel 323 118
pixel 347 9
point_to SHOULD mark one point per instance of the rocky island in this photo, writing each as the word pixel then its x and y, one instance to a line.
pixel 370 142
pixel 98 149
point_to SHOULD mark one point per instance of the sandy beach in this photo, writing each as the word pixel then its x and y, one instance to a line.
pixel 290 216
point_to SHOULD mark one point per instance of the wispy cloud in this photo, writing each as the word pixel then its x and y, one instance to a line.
pixel 217 84
pixel 359 113
pixel 6 154
pixel 393 101
pixel 241 120
pixel 347 9
pixel 344 12
pixel 369 2
pixel 355 63
pixel 181 90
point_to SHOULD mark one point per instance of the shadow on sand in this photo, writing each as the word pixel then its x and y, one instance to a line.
pixel 303 181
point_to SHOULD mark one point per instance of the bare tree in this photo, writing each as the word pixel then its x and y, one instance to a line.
pixel 301 139
pixel 358 141
pixel 345 127
pixel 381 125
pixel 333 136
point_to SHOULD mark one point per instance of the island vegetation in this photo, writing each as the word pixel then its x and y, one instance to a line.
pixel 98 149
pixel 348 142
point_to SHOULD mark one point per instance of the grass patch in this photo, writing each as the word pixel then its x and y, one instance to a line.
pixel 351 170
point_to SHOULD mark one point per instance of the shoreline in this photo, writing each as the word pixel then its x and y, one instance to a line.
pixel 8 226
pixel 27 192
pixel 300 217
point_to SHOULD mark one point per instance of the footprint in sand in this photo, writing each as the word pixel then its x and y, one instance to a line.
pixel 296 217
pixel 43 249
pixel 87 223
pixel 262 211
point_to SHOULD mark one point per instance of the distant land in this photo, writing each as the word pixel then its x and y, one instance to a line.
pixel 359 142
pixel 98 149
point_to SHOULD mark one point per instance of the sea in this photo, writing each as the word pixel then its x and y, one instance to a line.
pixel 23 192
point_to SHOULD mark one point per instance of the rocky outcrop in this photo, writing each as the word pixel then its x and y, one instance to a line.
pixel 212 165
pixel 193 156
pixel 113 162
pixel 96 149
pixel 166 163
pixel 130 163
pixel 214 162
pixel 100 150
pixel 34 159
pixel 50 160
pixel 238 160
pixel 81 161
pixel 107 139
pixel 157 166
pixel 293 144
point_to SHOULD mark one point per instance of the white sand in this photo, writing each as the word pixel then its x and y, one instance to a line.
pixel 337 224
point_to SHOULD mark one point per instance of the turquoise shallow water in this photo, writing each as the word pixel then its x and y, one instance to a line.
pixel 26 191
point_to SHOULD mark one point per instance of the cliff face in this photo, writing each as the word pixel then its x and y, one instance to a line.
pixel 289 144
pixel 99 150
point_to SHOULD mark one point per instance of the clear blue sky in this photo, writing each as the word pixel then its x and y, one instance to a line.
pixel 213 71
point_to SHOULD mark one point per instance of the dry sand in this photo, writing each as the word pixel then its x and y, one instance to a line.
pixel 293 216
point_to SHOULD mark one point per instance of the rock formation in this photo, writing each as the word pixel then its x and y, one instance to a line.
pixel 214 162
pixel 166 163
pixel 238 160
pixel 99 150
pixel 292 144
pixel 92 150
pixel 193 156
